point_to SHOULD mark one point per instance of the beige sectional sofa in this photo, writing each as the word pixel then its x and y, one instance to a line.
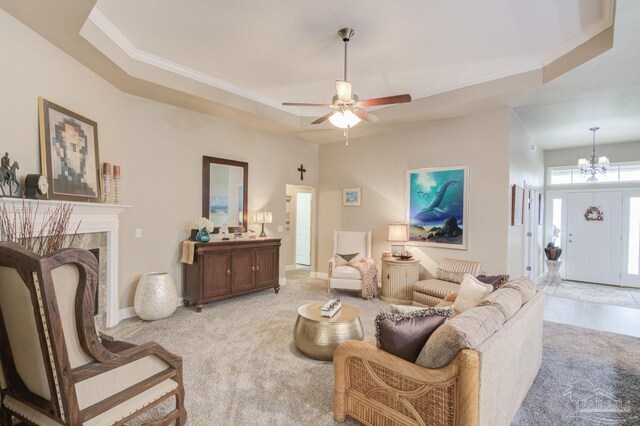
pixel 484 384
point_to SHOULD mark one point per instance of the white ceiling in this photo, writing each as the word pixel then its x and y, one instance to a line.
pixel 603 92
pixel 288 50
pixel 241 59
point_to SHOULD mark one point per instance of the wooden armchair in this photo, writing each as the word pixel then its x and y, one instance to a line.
pixel 378 388
pixel 56 369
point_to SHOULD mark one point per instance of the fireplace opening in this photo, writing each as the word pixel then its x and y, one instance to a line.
pixel 96 253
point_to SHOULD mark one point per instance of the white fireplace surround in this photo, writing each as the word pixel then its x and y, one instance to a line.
pixel 93 218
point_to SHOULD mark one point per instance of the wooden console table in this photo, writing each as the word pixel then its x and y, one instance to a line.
pixel 223 269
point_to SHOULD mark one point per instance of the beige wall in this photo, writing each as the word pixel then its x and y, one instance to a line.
pixel 378 164
pixel 160 148
pixel 525 165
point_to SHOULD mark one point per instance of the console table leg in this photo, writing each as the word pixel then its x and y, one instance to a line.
pixel 276 289
pixel 198 308
pixel 186 303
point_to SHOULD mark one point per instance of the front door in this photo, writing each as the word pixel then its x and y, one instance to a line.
pixel 594 247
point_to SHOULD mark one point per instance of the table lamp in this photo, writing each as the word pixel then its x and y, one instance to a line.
pixel 262 218
pixel 398 233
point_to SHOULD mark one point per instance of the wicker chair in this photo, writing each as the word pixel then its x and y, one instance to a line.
pixel 378 388
pixel 56 369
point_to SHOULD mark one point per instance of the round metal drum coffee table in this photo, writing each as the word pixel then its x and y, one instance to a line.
pixel 317 336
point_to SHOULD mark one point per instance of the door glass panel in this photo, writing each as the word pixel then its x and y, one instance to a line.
pixel 634 236
pixel 556 221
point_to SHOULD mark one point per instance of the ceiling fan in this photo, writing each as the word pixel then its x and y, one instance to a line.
pixel 346 107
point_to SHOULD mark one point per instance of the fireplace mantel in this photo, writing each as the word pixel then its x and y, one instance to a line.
pixel 93 217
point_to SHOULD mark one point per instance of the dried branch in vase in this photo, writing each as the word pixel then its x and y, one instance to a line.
pixel 53 233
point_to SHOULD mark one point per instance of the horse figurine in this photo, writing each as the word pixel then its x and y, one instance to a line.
pixel 9 178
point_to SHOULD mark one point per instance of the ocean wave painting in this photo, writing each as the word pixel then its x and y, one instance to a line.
pixel 436 207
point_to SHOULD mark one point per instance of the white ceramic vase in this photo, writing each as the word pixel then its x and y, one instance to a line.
pixel 156 296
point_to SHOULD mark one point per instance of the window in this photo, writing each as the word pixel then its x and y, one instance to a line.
pixel 571 175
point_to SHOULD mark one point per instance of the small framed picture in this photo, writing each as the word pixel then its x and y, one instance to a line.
pixel 352 197
pixel 69 153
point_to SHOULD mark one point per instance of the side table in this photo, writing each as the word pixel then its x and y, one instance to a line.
pixel 553 271
pixel 398 279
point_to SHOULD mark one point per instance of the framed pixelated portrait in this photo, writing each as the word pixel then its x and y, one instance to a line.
pixel 69 153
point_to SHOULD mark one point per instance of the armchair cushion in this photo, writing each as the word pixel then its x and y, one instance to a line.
pixel 346 272
pixel 405 334
pixel 437 288
pixel 453 277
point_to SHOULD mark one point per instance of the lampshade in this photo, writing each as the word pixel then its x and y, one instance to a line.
pixel 398 232
pixel 603 162
pixel 263 217
pixel 344 119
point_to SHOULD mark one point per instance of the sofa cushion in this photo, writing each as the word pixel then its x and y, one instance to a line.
pixel 467 330
pixel 526 288
pixel 496 281
pixel 405 334
pixel 508 300
pixel 471 294
pixel 345 272
pixel 452 277
pixel 437 288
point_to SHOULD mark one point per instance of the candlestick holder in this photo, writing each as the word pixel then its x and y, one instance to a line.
pixel 106 188
pixel 116 179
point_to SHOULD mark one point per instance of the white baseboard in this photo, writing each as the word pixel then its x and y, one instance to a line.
pixel 290 268
pixel 127 313
pixel 131 312
pixel 282 281
pixel 320 275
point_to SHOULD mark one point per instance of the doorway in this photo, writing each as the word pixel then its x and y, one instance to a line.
pixel 303 228
pixel 532 254
pixel 594 245
pixel 299 242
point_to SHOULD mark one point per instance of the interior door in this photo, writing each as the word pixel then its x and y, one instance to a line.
pixel 594 247
pixel 303 228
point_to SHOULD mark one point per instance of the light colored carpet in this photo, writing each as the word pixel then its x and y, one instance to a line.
pixel 241 366
pixel 598 293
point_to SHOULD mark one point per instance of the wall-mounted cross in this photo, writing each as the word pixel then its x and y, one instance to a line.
pixel 302 170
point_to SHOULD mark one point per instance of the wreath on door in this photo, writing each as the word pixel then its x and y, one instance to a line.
pixel 593 213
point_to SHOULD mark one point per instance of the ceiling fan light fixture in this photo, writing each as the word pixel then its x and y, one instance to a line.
pixel 344 119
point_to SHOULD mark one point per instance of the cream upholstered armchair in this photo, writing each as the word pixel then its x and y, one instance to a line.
pixel 345 242
pixel 56 369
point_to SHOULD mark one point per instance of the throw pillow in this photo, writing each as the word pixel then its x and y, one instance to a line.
pixel 452 277
pixel 471 293
pixel 405 309
pixel 451 297
pixel 496 281
pixel 343 259
pixel 404 335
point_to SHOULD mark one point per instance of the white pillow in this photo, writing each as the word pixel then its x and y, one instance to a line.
pixel 471 293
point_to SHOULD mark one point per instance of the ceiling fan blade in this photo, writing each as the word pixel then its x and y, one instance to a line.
pixel 366 116
pixel 304 104
pixel 323 118
pixel 387 100
pixel 344 90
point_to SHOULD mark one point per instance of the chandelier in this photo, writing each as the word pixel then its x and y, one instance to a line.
pixel 594 165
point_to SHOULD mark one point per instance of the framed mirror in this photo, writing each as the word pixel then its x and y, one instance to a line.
pixel 224 192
